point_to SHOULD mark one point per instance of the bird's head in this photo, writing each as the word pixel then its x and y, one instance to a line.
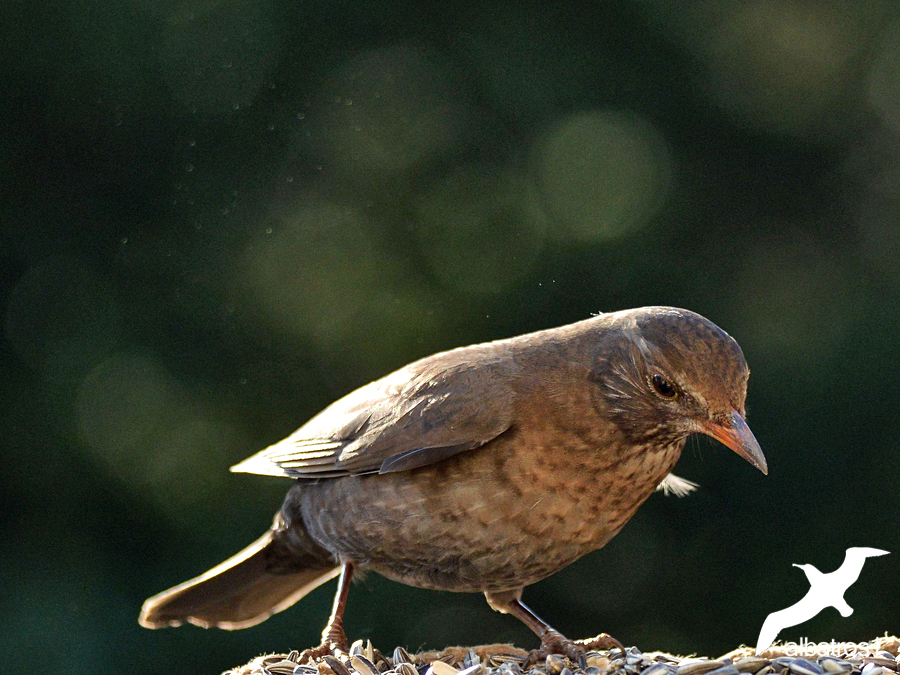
pixel 811 572
pixel 671 373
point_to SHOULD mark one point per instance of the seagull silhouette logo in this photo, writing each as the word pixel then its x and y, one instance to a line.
pixel 825 590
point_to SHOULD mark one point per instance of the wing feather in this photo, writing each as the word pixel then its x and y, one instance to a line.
pixel 418 415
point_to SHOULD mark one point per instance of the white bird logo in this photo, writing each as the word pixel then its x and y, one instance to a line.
pixel 825 590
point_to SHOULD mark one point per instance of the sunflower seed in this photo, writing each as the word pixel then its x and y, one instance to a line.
pixel 596 660
pixel 750 664
pixel 667 658
pixel 364 659
pixel 379 660
pixel 831 664
pixel 724 670
pixel 474 669
pixel 658 669
pixel 362 665
pixel 441 668
pixel 555 663
pixel 470 659
pixel 401 656
pixel 336 666
pixel 698 667
pixel 499 659
pixel 510 668
pixel 804 667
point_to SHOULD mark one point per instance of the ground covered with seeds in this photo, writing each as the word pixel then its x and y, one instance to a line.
pixel 878 657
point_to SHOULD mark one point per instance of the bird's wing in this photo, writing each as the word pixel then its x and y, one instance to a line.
pixel 803 610
pixel 769 631
pixel 418 415
pixel 849 571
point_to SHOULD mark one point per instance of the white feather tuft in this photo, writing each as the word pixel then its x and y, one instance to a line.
pixel 676 485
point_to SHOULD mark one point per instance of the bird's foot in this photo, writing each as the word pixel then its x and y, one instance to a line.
pixel 602 641
pixel 334 640
pixel 312 655
pixel 554 642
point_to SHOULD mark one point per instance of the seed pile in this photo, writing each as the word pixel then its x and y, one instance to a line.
pixel 879 658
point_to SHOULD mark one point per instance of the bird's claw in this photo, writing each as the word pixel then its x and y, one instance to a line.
pixel 334 640
pixel 553 642
pixel 312 655
pixel 602 641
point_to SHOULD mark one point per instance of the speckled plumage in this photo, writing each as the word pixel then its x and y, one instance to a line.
pixel 485 468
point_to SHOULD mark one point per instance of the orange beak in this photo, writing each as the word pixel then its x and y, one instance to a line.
pixel 737 435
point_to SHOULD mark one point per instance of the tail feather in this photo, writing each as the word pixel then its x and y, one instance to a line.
pixel 265 578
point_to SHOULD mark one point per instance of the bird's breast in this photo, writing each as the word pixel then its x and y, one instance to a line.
pixel 502 516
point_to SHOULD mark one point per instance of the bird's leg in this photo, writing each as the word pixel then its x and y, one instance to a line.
pixel 552 641
pixel 333 637
pixel 334 630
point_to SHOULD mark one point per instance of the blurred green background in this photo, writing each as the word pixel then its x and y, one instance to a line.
pixel 219 216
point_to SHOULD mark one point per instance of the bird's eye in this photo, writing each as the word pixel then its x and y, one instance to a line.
pixel 663 387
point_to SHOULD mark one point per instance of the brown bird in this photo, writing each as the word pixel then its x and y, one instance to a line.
pixel 482 469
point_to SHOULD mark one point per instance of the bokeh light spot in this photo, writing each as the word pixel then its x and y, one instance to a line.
pixel 884 78
pixel 602 174
pixel 315 273
pixel 152 433
pixel 62 318
pixel 780 293
pixel 480 232
pixel 778 65
pixel 122 404
pixel 388 109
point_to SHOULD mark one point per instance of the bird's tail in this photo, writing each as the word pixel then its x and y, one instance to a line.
pixel 266 577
